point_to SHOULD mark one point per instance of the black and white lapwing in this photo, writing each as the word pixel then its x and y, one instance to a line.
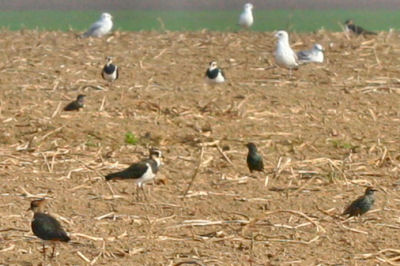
pixel 362 204
pixel 254 159
pixel 110 72
pixel 77 104
pixel 351 27
pixel 46 227
pixel 214 74
pixel 141 172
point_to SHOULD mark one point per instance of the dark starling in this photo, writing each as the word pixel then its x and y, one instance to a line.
pixel 46 227
pixel 350 26
pixel 362 204
pixel 141 172
pixel 215 74
pixel 254 159
pixel 77 104
pixel 110 71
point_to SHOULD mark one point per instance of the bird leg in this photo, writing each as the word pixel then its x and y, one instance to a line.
pixel 54 250
pixel 144 193
pixel 44 252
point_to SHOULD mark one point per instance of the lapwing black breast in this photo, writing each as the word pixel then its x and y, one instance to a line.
pixel 110 71
pixel 214 74
pixel 361 205
pixel 254 159
pixel 76 105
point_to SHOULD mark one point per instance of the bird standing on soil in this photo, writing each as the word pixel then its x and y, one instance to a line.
pixel 316 55
pixel 110 71
pixel 362 204
pixel 284 55
pixel 246 17
pixel 101 27
pixel 254 159
pixel 46 227
pixel 141 172
pixel 215 74
pixel 77 104
pixel 350 26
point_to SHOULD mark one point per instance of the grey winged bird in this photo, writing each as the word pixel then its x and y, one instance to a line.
pixel 101 27
pixel 246 17
pixel 362 204
pixel 46 227
pixel 254 159
pixel 284 54
pixel 77 104
pixel 315 54
pixel 350 26
pixel 140 172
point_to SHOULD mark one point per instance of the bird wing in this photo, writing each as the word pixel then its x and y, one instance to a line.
pixel 47 227
pixel 95 27
pixel 134 171
pixel 242 18
pixel 352 208
pixel 304 55
pixel 72 106
pixel 223 73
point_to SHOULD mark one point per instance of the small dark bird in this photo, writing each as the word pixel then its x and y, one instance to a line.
pixel 46 227
pixel 141 172
pixel 362 204
pixel 350 26
pixel 254 159
pixel 110 71
pixel 77 104
pixel 214 74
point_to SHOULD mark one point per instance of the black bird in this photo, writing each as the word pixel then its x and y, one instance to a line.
pixel 77 104
pixel 254 159
pixel 110 71
pixel 350 26
pixel 215 74
pixel 46 227
pixel 141 172
pixel 362 204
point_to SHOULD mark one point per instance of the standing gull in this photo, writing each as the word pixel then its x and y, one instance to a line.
pixel 214 74
pixel 101 27
pixel 46 227
pixel 76 105
pixel 109 71
pixel 284 55
pixel 246 17
pixel 141 172
pixel 316 54
pixel 350 26
pixel 362 204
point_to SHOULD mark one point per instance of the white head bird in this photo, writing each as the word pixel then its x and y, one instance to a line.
pixel 101 27
pixel 284 55
pixel 246 18
pixel 316 54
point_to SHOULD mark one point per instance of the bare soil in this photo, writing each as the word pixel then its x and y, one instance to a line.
pixel 325 133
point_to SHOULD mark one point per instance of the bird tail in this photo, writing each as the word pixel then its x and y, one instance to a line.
pixel 116 176
pixel 370 33
pixel 64 237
